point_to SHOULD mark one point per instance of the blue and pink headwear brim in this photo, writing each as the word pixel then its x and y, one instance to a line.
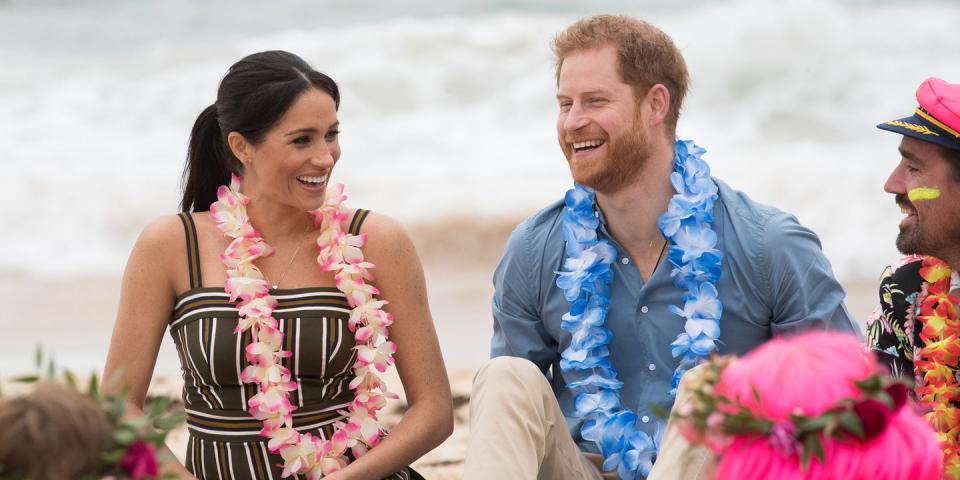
pixel 936 119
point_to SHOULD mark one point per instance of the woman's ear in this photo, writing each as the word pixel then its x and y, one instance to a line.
pixel 239 147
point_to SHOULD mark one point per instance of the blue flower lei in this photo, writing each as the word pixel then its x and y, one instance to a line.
pixel 585 280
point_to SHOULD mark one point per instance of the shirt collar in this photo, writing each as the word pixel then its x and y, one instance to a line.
pixel 603 219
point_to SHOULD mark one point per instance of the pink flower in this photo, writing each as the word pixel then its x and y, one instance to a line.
pixel 366 379
pixel 140 460
pixel 370 401
pixel 245 249
pixel 246 288
pixel 688 428
pixel 229 211
pixel 361 432
pixel 301 457
pixel 357 292
pixel 873 415
pixel 338 252
pixel 281 437
pixel 264 374
pixel 715 438
pixel 266 355
pixel 783 440
pixel 361 313
pixel 270 404
pixel 350 250
pixel 358 270
pixel 261 323
pixel 898 393
pixel 331 458
pixel 380 356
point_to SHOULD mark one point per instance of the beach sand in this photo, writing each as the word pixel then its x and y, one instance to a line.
pixel 72 317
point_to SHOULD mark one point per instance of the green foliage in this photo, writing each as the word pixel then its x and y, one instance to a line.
pixel 152 427
pixel 716 417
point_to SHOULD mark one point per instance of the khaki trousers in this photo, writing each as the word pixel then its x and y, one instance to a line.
pixel 678 460
pixel 517 430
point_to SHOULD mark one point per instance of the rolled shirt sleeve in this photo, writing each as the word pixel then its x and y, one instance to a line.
pixel 801 289
pixel 518 330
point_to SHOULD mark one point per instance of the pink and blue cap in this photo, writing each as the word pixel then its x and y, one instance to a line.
pixel 936 119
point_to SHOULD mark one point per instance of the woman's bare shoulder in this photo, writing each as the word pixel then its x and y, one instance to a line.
pixel 162 233
pixel 378 224
pixel 387 239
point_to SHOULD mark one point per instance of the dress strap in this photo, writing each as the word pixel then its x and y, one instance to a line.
pixel 358 217
pixel 193 250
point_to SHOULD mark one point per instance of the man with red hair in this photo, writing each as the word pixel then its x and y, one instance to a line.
pixel 915 330
pixel 603 300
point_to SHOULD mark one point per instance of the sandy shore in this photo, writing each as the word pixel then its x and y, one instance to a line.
pixel 72 318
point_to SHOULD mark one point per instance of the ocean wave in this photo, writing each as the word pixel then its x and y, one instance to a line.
pixel 451 115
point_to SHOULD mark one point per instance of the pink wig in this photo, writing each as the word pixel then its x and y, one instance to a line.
pixel 811 373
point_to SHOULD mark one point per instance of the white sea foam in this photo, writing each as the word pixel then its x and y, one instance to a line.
pixel 448 113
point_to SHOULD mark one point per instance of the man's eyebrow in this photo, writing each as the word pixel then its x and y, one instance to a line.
pixel 906 154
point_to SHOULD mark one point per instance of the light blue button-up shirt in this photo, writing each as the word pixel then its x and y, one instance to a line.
pixel 775 280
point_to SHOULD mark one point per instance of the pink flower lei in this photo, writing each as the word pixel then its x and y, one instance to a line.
pixel 338 252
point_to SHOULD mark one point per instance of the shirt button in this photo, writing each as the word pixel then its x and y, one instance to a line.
pixel 652 367
pixel 624 260
pixel 644 309
pixel 645 419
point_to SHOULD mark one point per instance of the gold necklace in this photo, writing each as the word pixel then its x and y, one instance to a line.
pixel 283 272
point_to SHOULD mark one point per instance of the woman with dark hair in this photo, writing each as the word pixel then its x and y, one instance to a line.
pixel 281 355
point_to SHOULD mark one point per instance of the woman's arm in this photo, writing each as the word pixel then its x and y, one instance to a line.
pixel 429 419
pixel 146 301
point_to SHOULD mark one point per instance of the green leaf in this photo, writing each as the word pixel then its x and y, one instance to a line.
pixel 115 378
pixel 156 438
pixel 93 387
pixel 885 397
pixel 811 424
pixel 118 406
pixel 851 423
pixel 872 383
pixel 158 406
pixel 170 422
pixel 38 357
pixel 70 379
pixel 113 456
pixel 136 422
pixel 51 369
pixel 812 445
pixel 26 379
pixel 124 436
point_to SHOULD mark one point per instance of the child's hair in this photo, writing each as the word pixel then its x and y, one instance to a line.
pixel 52 433
pixel 810 373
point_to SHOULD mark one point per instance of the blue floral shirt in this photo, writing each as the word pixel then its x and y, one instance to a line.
pixel 775 280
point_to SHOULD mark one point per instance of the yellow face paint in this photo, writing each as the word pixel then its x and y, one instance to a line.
pixel 923 193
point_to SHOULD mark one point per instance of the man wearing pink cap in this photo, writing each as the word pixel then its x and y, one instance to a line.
pixel 915 330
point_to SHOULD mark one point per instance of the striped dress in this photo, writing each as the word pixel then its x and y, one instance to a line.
pixel 224 439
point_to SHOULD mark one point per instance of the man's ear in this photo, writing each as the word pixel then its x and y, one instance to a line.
pixel 657 101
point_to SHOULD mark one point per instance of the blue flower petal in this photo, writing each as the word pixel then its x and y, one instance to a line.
pixel 585 278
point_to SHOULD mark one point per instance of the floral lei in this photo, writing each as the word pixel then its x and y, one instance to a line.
pixel 338 252
pixel 585 280
pixel 714 419
pixel 938 359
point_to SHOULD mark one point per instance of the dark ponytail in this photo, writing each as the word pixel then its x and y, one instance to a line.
pixel 255 93
pixel 209 163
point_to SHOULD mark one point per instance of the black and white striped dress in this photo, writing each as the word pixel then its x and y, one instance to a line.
pixel 224 439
